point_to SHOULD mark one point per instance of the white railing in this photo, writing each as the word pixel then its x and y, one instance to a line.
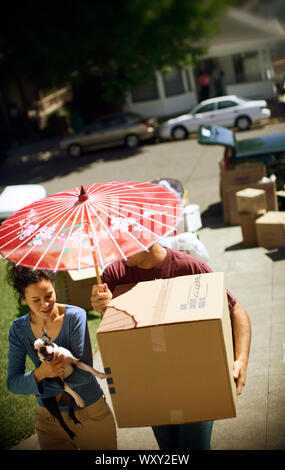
pixel 52 102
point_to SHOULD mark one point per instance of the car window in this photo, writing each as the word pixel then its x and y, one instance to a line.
pixel 226 104
pixel 106 123
pixel 114 121
pixel 205 108
pixel 133 118
pixel 94 127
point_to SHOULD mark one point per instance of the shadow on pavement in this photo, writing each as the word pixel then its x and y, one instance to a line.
pixel 277 254
pixel 212 217
pixel 236 246
pixel 39 163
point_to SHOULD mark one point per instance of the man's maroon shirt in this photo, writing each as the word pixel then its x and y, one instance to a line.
pixel 174 264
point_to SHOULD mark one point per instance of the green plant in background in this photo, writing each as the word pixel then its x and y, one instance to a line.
pixel 90 47
pixel 17 412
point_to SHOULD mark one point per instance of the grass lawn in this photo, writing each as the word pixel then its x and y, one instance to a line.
pixel 17 412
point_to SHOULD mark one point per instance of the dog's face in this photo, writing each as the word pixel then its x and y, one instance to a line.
pixel 44 348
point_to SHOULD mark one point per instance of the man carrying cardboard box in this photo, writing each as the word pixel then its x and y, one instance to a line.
pixel 164 263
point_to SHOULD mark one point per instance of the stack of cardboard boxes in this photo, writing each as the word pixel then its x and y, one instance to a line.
pixel 244 177
pixel 251 204
pixel 250 200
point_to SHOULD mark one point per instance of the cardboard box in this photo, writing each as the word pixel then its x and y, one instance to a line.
pixel 270 229
pixel 191 220
pixel 248 227
pixel 231 203
pixel 236 180
pixel 242 176
pixel 251 200
pixel 74 287
pixel 192 217
pixel 166 346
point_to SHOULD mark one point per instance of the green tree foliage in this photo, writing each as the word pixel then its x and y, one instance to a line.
pixel 122 41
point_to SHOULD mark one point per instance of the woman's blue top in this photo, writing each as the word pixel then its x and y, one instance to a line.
pixel 74 335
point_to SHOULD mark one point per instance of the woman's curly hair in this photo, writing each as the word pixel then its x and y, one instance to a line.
pixel 20 277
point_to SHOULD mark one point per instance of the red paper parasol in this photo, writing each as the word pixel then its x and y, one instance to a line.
pixel 89 226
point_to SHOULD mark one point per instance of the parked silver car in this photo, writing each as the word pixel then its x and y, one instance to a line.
pixel 228 111
pixel 109 131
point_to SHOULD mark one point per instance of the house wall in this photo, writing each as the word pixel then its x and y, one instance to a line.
pixel 257 82
pixel 256 90
pixel 163 105
pixel 259 75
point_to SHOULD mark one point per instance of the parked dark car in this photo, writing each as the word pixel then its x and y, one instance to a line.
pixel 269 150
pixel 127 129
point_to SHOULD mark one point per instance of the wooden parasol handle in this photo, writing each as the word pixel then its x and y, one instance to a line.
pixel 99 280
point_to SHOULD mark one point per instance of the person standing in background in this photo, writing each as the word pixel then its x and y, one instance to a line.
pixel 204 85
pixel 217 77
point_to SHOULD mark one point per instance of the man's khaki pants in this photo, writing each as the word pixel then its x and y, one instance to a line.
pixel 97 430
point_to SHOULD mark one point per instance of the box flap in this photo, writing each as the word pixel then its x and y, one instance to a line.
pixel 164 301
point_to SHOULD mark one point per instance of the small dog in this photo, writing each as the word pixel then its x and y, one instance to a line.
pixel 45 350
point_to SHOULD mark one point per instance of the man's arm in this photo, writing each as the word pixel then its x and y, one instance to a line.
pixel 242 337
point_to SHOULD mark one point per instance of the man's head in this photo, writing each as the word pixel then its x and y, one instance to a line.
pixel 147 259
pixel 137 260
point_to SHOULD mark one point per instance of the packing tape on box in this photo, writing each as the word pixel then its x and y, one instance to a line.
pixel 176 416
pixel 158 341
pixel 162 301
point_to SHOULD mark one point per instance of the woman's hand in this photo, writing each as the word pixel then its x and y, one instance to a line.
pixel 49 369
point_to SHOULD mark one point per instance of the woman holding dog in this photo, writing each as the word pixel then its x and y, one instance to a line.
pixel 67 327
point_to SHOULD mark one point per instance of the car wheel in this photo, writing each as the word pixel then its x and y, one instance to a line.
pixel 179 133
pixel 243 123
pixel 131 141
pixel 75 150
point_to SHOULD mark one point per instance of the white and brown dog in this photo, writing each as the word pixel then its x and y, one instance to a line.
pixel 46 350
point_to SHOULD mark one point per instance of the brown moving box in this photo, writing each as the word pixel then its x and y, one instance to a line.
pixel 166 346
pixel 248 227
pixel 270 229
pixel 251 200
pixel 74 287
pixel 242 175
pixel 237 179
pixel 250 203
pixel 231 204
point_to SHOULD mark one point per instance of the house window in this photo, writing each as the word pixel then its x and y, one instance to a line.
pixel 173 83
pixel 145 92
pixel 247 67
